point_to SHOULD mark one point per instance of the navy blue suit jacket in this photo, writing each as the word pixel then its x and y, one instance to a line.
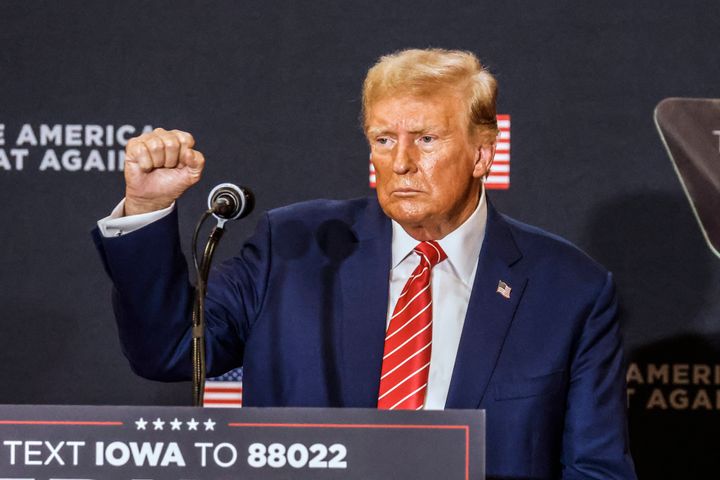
pixel 303 309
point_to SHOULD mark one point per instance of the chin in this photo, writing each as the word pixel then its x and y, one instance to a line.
pixel 404 210
pixel 405 216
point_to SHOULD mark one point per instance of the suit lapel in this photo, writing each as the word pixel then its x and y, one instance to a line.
pixel 364 280
pixel 489 315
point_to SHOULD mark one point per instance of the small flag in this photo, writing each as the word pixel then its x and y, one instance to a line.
pixel 504 289
pixel 224 391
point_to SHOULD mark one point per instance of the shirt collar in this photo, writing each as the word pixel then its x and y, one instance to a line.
pixel 462 245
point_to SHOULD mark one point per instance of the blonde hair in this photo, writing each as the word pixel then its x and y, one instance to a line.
pixel 422 72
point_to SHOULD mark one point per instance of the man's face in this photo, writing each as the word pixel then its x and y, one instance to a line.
pixel 428 166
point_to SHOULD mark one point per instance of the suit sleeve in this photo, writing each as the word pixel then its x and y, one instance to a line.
pixel 152 299
pixel 595 440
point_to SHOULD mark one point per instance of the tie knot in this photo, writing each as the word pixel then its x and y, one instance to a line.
pixel 430 252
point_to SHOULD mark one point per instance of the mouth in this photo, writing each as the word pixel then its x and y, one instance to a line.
pixel 406 192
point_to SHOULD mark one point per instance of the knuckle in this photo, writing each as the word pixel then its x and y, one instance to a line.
pixel 170 143
pixel 184 137
pixel 154 144
pixel 143 137
pixel 135 149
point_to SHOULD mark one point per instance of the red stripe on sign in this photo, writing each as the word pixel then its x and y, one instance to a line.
pixel 61 422
pixel 349 425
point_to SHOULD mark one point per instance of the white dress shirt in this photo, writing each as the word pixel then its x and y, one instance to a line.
pixel 117 224
pixel 452 282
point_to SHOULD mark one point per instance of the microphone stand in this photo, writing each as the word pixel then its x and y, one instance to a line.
pixel 198 311
pixel 226 202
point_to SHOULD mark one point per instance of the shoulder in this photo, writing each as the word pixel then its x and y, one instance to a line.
pixel 314 211
pixel 547 254
pixel 327 227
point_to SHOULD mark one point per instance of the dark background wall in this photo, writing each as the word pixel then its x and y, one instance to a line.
pixel 271 92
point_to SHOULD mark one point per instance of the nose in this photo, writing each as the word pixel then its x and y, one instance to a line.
pixel 405 158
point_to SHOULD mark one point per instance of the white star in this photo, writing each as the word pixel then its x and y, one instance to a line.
pixel 141 423
pixel 209 425
pixel 158 424
pixel 192 424
pixel 176 424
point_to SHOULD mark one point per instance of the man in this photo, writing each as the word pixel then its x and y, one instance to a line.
pixel 425 297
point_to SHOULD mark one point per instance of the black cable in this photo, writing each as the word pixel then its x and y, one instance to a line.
pixel 198 313
pixel 203 217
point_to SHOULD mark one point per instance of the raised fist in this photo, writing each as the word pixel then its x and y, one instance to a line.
pixel 159 167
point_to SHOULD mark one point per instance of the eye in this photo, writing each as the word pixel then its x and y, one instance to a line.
pixel 384 141
pixel 426 139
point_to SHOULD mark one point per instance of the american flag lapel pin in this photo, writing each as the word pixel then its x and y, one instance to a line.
pixel 504 289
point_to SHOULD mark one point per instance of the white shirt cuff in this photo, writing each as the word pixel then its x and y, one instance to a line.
pixel 115 224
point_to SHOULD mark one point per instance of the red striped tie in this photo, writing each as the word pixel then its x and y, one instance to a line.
pixel 408 341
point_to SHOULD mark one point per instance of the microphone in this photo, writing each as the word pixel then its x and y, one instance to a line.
pixel 230 202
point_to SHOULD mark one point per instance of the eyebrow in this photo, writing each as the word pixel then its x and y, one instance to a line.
pixel 372 131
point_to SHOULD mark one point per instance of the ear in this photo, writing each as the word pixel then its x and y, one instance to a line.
pixel 483 162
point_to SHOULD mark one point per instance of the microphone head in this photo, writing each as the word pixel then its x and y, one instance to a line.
pixel 230 202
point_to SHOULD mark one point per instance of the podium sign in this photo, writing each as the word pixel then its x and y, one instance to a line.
pixel 164 443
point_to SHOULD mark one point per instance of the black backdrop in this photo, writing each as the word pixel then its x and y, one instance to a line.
pixel 271 91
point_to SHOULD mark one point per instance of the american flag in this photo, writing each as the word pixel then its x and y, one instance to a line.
pixel 224 391
pixel 499 177
pixel 503 289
